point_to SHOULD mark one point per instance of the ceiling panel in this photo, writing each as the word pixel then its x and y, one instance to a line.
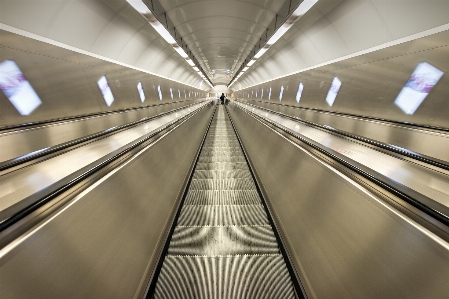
pixel 220 33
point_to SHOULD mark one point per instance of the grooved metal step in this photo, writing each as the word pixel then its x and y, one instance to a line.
pixel 223 240
pixel 223 215
pixel 222 197
pixel 222 174
pixel 223 184
pixel 233 277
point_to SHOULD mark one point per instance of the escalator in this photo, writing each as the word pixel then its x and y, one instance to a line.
pixel 223 245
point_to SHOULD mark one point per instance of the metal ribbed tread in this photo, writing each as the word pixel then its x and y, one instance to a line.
pixel 223 245
pixel 217 215
pixel 233 277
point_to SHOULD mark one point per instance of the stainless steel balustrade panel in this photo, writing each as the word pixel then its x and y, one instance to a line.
pixel 433 184
pixel 107 244
pixel 343 242
pixel 425 141
pixel 17 185
pixel 20 142
pixel 223 245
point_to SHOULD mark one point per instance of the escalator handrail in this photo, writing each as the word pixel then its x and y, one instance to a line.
pixel 395 149
pixel 370 118
pixel 5 165
pixel 31 125
pixel 403 192
pixel 21 209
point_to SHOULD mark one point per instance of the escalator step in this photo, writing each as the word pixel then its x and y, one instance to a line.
pixel 223 184
pixel 221 165
pixel 222 197
pixel 222 174
pixel 221 215
pixel 233 277
pixel 223 240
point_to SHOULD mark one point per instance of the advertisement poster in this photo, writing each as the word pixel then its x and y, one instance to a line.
pixel 418 87
pixel 299 93
pixel 140 90
pixel 105 90
pixel 333 91
pixel 17 88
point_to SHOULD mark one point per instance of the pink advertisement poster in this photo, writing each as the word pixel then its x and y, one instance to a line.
pixel 17 88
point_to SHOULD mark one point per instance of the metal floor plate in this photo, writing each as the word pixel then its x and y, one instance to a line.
pixel 223 245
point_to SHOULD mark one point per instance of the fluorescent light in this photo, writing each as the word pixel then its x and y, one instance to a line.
pixel 189 61
pixel 245 69
pixel 163 32
pixel 180 51
pixel 261 52
pixel 196 69
pixel 304 7
pixel 300 11
pixel 139 6
pixel 280 32
pixel 146 13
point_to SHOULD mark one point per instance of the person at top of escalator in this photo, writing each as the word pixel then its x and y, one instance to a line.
pixel 222 98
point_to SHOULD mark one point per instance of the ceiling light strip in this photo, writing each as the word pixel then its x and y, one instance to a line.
pixel 143 9
pixel 305 6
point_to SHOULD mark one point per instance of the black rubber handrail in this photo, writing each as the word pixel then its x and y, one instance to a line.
pixel 418 200
pixel 395 149
pixel 21 209
pixel 63 146
pixel 396 122
pixel 80 117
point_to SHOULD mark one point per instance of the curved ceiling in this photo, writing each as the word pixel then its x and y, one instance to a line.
pixel 221 34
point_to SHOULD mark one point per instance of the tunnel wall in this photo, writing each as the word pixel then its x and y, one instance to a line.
pixel 334 29
pixel 66 82
pixel 109 28
pixel 370 83
pixel 373 47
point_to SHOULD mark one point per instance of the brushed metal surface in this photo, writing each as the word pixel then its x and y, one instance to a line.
pixel 107 243
pixel 344 242
pixel 370 83
pixel 428 142
pixel 431 183
pixel 18 142
pixel 17 185
pixel 66 81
